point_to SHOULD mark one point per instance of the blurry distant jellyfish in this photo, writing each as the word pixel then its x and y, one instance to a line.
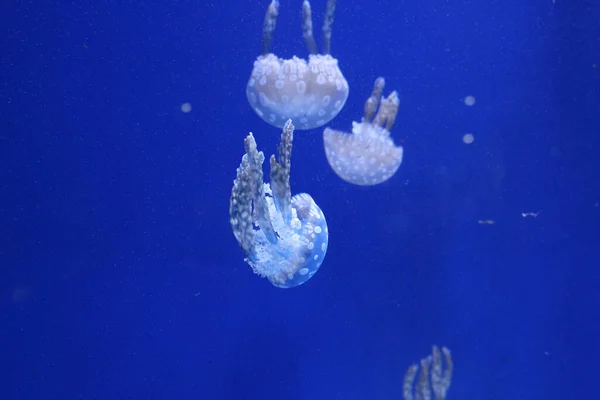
pixel 468 138
pixel 186 107
pixel 311 94
pixel 367 156
pixel 285 238
pixel 469 101
pixel 434 377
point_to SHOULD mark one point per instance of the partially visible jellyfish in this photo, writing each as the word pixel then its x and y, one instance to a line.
pixel 435 376
pixel 311 94
pixel 367 156
pixel 285 238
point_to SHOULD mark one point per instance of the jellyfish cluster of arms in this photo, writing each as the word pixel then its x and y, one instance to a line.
pixel 433 377
pixel 285 238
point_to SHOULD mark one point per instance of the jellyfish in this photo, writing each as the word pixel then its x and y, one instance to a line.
pixel 285 238
pixel 310 93
pixel 367 156
pixel 435 376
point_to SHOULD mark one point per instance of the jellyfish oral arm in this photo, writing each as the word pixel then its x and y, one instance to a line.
pixel 269 27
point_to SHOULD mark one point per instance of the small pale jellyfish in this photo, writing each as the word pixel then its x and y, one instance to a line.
pixel 310 93
pixel 285 238
pixel 367 156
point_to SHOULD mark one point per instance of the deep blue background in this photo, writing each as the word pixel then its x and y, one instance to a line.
pixel 119 275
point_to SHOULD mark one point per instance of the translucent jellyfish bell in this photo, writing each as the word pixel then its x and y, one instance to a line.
pixel 285 238
pixel 310 93
pixel 367 156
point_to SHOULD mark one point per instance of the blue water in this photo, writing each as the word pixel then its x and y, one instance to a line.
pixel 120 277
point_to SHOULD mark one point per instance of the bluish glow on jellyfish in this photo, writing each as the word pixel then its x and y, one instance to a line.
pixel 310 93
pixel 285 238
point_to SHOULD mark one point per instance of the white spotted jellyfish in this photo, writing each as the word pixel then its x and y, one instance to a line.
pixel 285 238
pixel 367 156
pixel 310 93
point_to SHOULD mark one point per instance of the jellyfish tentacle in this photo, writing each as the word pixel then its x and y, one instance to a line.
pixel 269 27
pixel 280 174
pixel 327 24
pixel 307 28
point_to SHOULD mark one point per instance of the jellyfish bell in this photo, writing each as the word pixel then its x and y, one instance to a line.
pixel 367 156
pixel 312 92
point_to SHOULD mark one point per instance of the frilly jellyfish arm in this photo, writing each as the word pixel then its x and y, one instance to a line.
pixel 307 28
pixel 367 156
pixel 285 238
pixel 327 23
pixel 280 175
pixel 311 93
pixel 269 27
pixel 247 204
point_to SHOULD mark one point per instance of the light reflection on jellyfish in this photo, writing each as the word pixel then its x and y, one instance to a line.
pixel 367 156
pixel 310 93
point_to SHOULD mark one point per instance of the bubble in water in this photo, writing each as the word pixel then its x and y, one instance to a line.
pixel 186 107
pixel 470 101
pixel 468 138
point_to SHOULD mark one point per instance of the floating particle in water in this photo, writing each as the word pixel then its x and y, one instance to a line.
pixel 468 138
pixel 186 107
pixel 469 101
